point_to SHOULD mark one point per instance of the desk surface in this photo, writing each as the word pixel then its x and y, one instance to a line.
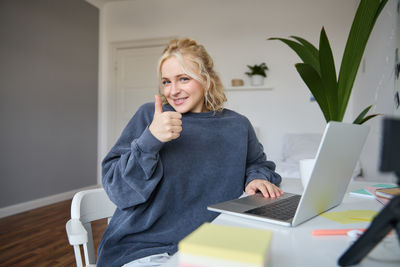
pixel 297 247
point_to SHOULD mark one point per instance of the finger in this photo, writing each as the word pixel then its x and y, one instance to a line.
pixel 176 129
pixel 271 190
pixel 263 189
pixel 278 191
pixel 174 115
pixel 174 135
pixel 158 105
pixel 176 122
pixel 250 191
pixel 169 123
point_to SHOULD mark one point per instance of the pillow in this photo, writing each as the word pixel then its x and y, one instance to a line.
pixel 300 146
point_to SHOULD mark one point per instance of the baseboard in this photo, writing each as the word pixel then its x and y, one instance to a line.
pixel 37 203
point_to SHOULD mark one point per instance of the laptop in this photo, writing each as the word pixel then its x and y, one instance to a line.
pixel 336 159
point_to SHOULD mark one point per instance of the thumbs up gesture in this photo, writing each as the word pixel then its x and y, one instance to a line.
pixel 166 126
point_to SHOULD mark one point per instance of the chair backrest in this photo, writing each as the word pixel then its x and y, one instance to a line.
pixel 90 205
pixel 87 206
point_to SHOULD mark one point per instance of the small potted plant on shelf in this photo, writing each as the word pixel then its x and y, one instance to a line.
pixel 257 74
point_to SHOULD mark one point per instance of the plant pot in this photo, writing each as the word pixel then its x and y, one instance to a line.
pixel 257 80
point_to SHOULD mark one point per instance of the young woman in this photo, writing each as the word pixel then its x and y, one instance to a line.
pixel 174 158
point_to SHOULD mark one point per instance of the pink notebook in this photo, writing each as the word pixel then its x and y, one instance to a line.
pixel 372 190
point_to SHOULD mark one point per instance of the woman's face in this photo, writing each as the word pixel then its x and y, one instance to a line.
pixel 182 92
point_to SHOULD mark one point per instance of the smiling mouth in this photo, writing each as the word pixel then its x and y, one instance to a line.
pixel 180 101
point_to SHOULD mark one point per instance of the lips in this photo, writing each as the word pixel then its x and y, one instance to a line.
pixel 180 101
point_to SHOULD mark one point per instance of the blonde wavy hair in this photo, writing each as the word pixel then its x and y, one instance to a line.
pixel 190 50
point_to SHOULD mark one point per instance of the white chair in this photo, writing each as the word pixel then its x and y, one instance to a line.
pixel 87 206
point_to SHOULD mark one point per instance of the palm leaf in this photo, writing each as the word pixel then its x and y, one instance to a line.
pixel 379 10
pixel 328 74
pixel 307 44
pixel 362 115
pixel 312 79
pixel 305 54
pixel 333 94
pixel 361 118
pixel 360 31
pixel 369 117
pixel 312 49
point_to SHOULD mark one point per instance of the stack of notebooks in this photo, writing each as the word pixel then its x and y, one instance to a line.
pixel 381 192
pixel 213 245
pixel 388 193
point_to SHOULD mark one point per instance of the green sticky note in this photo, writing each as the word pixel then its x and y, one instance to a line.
pixel 384 185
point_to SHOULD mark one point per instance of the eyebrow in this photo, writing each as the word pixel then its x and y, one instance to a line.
pixel 177 76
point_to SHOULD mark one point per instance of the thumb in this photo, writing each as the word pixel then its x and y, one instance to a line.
pixel 158 104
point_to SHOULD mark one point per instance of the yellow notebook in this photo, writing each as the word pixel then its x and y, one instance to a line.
pixel 246 245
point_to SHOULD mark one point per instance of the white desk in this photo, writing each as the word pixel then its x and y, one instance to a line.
pixel 297 247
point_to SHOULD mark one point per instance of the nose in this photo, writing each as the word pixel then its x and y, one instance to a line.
pixel 175 90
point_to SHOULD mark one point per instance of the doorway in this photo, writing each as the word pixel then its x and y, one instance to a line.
pixel 133 81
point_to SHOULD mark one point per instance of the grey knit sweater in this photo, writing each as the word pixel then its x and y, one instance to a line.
pixel 162 190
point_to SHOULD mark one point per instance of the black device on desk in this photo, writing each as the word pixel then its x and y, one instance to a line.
pixel 389 217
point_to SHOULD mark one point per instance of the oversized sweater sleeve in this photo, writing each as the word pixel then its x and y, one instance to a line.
pixel 132 169
pixel 257 165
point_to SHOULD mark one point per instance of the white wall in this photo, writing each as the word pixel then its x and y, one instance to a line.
pixel 235 32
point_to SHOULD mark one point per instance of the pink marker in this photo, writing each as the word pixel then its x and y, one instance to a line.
pixel 334 231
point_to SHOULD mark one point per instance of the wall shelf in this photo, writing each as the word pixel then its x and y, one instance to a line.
pixel 249 88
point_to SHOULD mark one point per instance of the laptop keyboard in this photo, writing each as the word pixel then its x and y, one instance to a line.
pixel 281 210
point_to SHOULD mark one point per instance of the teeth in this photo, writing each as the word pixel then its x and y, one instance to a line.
pixel 179 100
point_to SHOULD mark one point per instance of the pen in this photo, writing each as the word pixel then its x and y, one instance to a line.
pixel 334 231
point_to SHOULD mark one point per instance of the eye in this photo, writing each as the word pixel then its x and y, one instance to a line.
pixel 184 79
pixel 165 82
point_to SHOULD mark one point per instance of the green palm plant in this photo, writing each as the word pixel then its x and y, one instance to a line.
pixel 318 67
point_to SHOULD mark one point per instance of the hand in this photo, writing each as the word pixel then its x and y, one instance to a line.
pixel 266 188
pixel 166 126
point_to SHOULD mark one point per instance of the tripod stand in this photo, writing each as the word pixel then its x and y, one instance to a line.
pixel 382 224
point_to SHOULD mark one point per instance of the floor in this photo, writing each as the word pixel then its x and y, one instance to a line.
pixel 38 238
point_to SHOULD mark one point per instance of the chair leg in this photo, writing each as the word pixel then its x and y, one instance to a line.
pixel 78 256
pixel 90 257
